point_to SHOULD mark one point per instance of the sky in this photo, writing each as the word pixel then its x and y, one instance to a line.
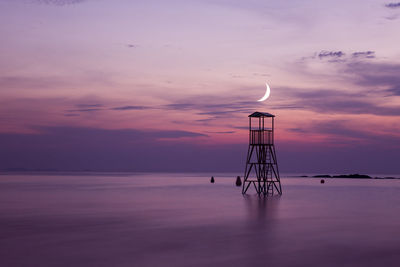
pixel 167 85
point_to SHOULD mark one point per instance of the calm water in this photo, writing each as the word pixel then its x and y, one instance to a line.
pixel 183 220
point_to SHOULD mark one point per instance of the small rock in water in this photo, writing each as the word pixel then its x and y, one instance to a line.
pixel 322 181
pixel 238 181
pixel 212 179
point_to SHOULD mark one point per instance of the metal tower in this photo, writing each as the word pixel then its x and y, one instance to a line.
pixel 261 156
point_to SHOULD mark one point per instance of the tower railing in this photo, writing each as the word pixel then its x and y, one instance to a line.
pixel 261 137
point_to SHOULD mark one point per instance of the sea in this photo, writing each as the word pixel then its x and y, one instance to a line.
pixel 181 219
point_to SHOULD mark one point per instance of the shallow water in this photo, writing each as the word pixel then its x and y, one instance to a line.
pixel 183 220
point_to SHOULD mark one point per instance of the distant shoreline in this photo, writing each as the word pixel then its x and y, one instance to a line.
pixel 349 176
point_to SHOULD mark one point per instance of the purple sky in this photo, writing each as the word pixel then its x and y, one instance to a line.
pixel 167 85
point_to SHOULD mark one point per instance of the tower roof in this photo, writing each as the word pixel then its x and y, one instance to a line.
pixel 261 114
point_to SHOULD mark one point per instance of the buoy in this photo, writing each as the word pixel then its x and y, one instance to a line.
pixel 212 179
pixel 238 181
pixel 322 181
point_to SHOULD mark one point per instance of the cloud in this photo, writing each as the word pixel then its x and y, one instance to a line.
pixel 85 110
pixel 392 17
pixel 223 132
pixel 330 54
pixel 98 107
pixel 261 74
pixel 364 54
pixel 297 130
pixel 180 106
pixel 133 134
pixel 131 46
pixel 338 102
pixel 377 75
pixel 353 106
pixel 225 107
pixel 89 105
pixel 343 132
pixel 130 108
pixel 339 56
pixel 25 82
pixel 213 106
pixel 395 90
pixel 221 112
pixel 393 5
pixel 60 2
pixel 22 82
pixel 74 148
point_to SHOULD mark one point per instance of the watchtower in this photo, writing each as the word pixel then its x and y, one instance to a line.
pixel 261 156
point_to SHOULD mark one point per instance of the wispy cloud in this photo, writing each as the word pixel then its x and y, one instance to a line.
pixel 60 2
pixel 51 82
pixel 339 56
pixel 337 102
pixel 359 68
pixel 130 108
pixel 393 5
pixel 223 132
pixel 392 17
pixel 212 105
pixel 99 107
pixel 209 109
pixel 180 106
pixel 22 82
pixel 330 54
pixel 342 132
pixel 297 130
pixel 364 54
pixel 85 110
pixel 395 90
pixel 125 134
pixel 89 105
pixel 377 75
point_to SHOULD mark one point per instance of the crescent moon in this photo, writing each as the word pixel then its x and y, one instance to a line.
pixel 267 93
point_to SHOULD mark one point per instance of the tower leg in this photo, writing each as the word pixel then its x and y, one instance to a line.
pixel 261 159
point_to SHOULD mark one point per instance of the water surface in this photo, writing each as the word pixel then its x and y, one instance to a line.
pixel 183 220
